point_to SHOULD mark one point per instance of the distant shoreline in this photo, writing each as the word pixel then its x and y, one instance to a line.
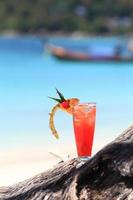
pixel 75 34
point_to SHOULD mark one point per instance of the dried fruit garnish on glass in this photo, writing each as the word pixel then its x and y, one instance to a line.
pixel 63 104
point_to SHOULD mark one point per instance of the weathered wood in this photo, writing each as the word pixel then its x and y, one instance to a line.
pixel 106 176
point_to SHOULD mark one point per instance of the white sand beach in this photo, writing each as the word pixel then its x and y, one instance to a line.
pixel 21 164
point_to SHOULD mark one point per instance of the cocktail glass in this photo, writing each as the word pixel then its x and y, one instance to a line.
pixel 84 115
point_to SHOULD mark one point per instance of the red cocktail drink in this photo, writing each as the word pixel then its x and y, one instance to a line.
pixel 84 115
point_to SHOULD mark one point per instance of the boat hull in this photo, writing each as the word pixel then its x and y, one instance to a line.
pixel 64 54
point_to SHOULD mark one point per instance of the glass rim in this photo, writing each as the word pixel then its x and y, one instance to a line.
pixel 86 103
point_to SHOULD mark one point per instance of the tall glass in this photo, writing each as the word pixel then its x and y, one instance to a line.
pixel 84 115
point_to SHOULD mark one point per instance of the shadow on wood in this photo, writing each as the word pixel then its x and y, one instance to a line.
pixel 106 176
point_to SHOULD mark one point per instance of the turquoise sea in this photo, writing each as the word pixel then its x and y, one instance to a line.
pixel 28 75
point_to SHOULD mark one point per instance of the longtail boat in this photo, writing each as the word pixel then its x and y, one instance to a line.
pixel 63 53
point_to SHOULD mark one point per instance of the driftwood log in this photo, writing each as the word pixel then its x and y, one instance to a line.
pixel 108 176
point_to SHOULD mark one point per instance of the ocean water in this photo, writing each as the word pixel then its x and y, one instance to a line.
pixel 28 75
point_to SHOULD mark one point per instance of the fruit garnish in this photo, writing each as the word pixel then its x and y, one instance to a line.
pixel 63 104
